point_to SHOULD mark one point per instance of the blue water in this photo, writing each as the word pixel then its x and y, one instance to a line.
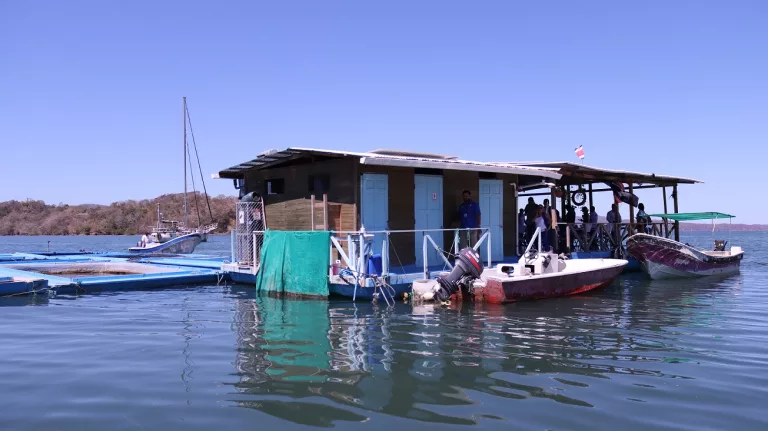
pixel 638 355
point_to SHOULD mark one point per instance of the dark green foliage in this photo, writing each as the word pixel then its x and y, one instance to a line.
pixel 32 217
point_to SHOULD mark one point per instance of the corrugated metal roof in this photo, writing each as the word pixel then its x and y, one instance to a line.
pixel 270 158
pixel 576 170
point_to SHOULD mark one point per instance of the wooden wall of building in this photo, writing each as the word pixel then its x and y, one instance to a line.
pixel 292 209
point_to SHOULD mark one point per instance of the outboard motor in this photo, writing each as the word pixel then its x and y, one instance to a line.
pixel 467 269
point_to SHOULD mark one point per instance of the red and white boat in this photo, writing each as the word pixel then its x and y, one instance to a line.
pixel 537 275
pixel 665 258
pixel 546 276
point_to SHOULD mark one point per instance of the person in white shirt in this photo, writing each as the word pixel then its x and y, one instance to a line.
pixel 144 240
pixel 540 224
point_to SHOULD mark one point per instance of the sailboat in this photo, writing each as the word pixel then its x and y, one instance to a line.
pixel 169 236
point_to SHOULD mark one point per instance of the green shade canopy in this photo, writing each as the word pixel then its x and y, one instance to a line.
pixel 693 216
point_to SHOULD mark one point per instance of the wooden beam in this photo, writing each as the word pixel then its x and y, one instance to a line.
pixel 593 190
pixel 325 211
pixel 590 196
pixel 312 210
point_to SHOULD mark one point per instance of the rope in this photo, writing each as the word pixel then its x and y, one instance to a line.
pixel 379 285
pixel 197 156
pixel 399 262
pixel 194 189
pixel 33 292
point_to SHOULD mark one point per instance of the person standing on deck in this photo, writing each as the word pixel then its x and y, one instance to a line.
pixel 593 218
pixel 530 216
pixel 469 216
pixel 541 225
pixel 547 213
pixel 643 220
pixel 613 217
pixel 144 240
pixel 585 220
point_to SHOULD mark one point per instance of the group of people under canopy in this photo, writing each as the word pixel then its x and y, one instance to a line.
pixel 539 216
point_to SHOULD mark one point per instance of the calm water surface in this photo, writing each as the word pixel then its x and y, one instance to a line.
pixel 637 355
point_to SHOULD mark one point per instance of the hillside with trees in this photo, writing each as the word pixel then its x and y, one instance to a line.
pixel 131 217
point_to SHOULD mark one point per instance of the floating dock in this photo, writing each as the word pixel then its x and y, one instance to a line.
pixel 25 273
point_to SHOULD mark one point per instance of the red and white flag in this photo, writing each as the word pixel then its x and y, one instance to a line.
pixel 580 152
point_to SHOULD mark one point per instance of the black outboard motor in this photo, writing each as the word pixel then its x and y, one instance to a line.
pixel 468 268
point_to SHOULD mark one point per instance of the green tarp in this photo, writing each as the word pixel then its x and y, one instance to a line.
pixel 294 263
pixel 693 216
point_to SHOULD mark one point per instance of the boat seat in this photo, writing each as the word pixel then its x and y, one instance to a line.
pixel 720 245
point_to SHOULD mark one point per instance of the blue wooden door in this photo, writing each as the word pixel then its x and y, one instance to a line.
pixel 374 206
pixel 428 205
pixel 491 210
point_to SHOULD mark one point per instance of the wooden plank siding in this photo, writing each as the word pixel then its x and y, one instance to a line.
pixel 292 209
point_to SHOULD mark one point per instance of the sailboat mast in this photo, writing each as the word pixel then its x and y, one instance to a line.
pixel 184 114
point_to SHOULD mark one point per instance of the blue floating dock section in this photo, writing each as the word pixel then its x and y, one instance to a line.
pixel 22 273
pixel 21 285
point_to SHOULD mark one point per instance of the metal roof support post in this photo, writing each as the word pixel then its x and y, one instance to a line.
pixel 666 222
pixel 631 211
pixel 590 197
pixel 677 223
pixel 562 204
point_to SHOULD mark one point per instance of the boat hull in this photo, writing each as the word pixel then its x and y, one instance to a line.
pixel 184 244
pixel 663 258
pixel 525 288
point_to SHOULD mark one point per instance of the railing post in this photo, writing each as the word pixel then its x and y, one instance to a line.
pixel 385 255
pixel 352 251
pixel 489 248
pixel 456 241
pixel 538 232
pixel 424 255
pixel 233 241
pixel 360 269
pixel 254 249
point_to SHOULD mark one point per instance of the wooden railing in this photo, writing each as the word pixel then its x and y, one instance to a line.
pixel 607 236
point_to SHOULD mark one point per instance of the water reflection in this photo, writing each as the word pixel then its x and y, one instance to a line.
pixel 318 362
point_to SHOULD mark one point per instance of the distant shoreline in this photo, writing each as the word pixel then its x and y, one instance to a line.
pixel 94 235
pixel 36 218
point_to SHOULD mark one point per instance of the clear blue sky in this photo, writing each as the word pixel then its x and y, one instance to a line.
pixel 90 91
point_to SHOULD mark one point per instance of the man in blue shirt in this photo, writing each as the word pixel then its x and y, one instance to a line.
pixel 469 216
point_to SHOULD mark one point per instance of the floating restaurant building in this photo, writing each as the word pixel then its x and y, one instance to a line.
pixel 407 202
